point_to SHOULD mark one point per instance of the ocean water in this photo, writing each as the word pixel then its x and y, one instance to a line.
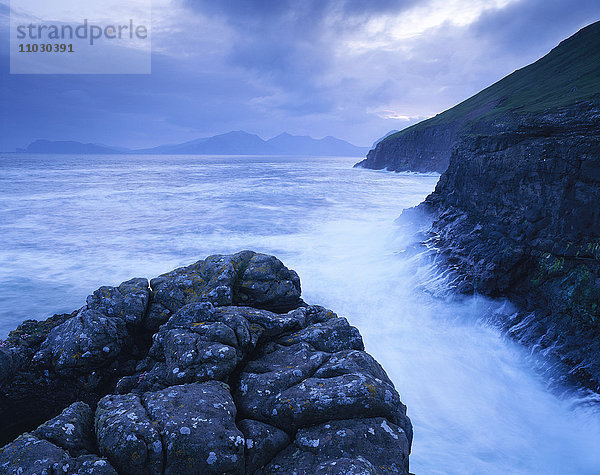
pixel 479 403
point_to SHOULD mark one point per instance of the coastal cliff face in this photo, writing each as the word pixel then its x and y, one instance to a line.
pixel 516 214
pixel 427 146
pixel 418 150
pixel 218 367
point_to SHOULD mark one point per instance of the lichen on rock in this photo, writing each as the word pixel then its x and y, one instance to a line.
pixel 218 367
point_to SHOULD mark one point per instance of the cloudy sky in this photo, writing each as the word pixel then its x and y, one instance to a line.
pixel 354 69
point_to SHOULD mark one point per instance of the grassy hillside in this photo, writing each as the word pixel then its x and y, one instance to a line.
pixel 570 73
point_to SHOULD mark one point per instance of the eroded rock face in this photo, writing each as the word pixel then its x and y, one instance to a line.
pixel 421 148
pixel 197 373
pixel 245 278
pixel 263 442
pixel 62 445
pixel 181 429
pixel 86 342
pixel 128 301
pixel 365 445
pixel 72 429
pixel 126 434
pixel 516 214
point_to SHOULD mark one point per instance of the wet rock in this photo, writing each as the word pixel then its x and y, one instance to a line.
pixel 227 326
pixel 208 280
pixel 332 335
pixel 352 361
pixel 373 445
pixel 245 278
pixel 357 466
pixel 197 344
pixel 197 422
pixel 29 455
pixel 72 430
pixel 201 342
pixel 263 322
pixel 127 436
pixel 267 283
pixel 28 336
pixel 297 385
pixel 516 215
pixel 69 357
pixel 316 400
pixel 162 393
pixel 151 376
pixel 277 369
pixel 263 442
pixel 181 429
pixel 515 212
pixel 84 465
pixel 189 358
pixel 197 347
pixel 83 343
pixel 127 301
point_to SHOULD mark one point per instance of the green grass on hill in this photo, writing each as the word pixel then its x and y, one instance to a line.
pixel 570 73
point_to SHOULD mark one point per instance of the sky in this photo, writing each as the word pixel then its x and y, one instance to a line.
pixel 352 69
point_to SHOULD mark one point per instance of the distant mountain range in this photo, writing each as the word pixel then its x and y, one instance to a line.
pixel 232 143
pixel 49 146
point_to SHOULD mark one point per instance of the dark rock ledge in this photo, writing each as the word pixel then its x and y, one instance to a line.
pixel 517 215
pixel 218 367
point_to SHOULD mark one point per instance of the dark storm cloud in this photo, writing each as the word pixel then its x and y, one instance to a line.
pixel 314 11
pixel 170 105
pixel 535 26
pixel 289 47
pixel 273 66
pixel 287 37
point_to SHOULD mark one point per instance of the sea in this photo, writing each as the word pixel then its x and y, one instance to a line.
pixel 479 402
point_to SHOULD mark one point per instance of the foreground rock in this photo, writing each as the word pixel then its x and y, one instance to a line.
pixel 218 367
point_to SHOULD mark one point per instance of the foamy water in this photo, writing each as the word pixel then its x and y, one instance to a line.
pixel 70 224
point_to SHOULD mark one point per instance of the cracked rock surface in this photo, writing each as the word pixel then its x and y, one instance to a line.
pixel 218 367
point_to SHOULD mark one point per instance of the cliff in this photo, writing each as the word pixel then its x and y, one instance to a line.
pixel 516 214
pixel 218 367
pixel 567 75
pixel 420 149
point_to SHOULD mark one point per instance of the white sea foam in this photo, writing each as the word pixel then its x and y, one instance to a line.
pixel 71 224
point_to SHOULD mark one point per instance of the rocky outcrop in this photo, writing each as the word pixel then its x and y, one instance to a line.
pixel 419 149
pixel 425 147
pixel 218 367
pixel 516 214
